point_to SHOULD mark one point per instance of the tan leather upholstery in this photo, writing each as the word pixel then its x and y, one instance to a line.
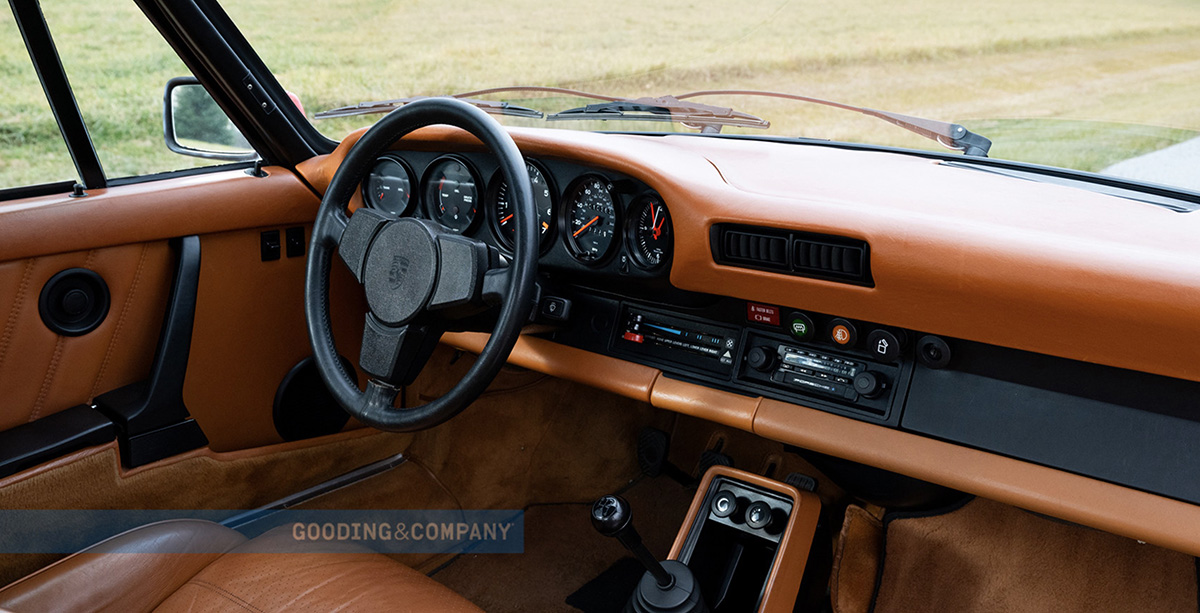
pixel 123 573
pixel 43 373
pixel 130 573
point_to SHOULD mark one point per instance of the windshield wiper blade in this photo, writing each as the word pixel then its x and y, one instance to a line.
pixel 705 117
pixel 949 135
pixel 493 107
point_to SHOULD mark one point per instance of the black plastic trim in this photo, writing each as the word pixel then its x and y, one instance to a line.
pixel 52 436
pixel 40 44
pixel 152 419
pixel 1122 426
pixel 35 191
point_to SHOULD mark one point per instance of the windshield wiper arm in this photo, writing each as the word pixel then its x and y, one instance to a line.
pixel 705 117
pixel 493 107
pixel 949 135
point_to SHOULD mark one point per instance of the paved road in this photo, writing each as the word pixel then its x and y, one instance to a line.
pixel 1177 166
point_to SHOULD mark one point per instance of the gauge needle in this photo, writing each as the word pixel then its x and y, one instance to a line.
pixel 658 228
pixel 505 220
pixel 585 226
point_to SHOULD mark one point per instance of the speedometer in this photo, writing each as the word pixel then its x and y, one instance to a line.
pixel 591 219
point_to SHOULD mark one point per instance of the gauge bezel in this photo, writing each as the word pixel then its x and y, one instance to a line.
pixel 634 213
pixel 564 221
pixel 414 195
pixel 426 205
pixel 493 199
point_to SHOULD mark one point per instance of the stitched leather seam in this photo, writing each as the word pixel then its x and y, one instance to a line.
pixel 15 313
pixel 52 368
pixel 112 342
pixel 226 594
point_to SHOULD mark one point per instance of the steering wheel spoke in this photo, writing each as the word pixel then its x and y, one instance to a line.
pixel 356 238
pixel 461 269
pixel 396 354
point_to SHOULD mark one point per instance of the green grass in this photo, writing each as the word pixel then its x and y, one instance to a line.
pixel 1051 82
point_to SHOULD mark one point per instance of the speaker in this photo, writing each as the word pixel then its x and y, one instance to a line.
pixel 74 302
pixel 304 407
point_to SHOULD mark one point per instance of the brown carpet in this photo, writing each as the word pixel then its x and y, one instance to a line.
pixel 991 557
pixel 563 551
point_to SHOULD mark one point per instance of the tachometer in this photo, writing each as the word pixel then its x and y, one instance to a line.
pixel 451 193
pixel 504 217
pixel 389 186
pixel 650 232
pixel 591 214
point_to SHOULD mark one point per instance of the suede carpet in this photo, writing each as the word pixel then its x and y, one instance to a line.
pixel 986 556
pixel 563 552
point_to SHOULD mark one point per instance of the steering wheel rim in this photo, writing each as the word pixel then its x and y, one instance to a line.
pixel 373 405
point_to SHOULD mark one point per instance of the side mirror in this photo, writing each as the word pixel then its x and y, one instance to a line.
pixel 194 125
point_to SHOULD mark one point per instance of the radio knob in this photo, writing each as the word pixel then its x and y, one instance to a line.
pixel 761 359
pixel 869 384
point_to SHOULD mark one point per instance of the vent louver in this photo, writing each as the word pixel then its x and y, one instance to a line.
pixel 756 249
pixel 825 258
pixel 834 258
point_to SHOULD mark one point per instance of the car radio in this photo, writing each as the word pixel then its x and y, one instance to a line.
pixel 812 369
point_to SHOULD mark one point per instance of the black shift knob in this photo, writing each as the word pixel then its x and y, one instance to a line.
pixel 610 515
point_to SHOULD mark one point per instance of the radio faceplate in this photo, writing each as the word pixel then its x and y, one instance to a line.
pixel 804 368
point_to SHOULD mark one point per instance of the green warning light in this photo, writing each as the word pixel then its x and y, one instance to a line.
pixel 800 326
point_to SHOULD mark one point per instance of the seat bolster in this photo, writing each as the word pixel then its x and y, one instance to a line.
pixel 131 572
pixel 272 573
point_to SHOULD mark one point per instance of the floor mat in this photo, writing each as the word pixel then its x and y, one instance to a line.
pixel 563 552
pixel 986 556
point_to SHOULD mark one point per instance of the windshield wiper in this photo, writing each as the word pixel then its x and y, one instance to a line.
pixel 704 117
pixel 383 106
pixel 949 135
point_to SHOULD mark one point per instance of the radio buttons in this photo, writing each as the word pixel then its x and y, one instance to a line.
pixel 842 333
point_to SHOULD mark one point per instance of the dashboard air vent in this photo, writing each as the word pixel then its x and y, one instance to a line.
pixel 824 258
pixel 821 256
pixel 756 249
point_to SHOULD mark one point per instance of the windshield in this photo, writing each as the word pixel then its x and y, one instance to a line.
pixel 1100 86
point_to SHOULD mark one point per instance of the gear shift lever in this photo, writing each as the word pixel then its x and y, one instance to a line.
pixel 667 586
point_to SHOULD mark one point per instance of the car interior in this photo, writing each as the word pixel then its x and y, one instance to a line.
pixel 708 372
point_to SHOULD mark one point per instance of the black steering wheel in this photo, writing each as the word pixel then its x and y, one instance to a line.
pixel 419 276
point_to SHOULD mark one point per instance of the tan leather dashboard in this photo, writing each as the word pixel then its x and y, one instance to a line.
pixel 954 251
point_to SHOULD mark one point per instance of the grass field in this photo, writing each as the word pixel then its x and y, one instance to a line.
pixel 1073 83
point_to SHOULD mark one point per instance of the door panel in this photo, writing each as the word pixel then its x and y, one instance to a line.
pixel 42 372
pixel 250 331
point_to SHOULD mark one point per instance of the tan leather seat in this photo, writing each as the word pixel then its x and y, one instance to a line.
pixel 213 568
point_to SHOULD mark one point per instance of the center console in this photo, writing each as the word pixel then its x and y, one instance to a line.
pixel 746 539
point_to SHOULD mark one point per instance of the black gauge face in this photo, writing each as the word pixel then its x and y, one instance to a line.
pixel 389 187
pixel 650 232
pixel 591 215
pixel 504 217
pixel 451 194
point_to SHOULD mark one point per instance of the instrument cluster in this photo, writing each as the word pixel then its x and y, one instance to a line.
pixel 588 218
